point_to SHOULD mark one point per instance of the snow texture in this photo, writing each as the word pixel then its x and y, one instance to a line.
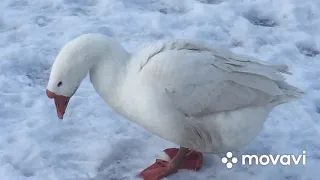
pixel 93 142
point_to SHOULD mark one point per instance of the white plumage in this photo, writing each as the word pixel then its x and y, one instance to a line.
pixel 195 95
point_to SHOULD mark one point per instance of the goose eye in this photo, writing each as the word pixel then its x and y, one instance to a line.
pixel 59 84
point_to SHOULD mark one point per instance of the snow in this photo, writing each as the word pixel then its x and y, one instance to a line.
pixel 93 142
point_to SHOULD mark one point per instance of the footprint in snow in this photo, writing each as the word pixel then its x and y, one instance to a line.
pixel 211 1
pixel 308 50
pixel 256 19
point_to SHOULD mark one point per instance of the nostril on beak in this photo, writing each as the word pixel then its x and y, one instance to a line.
pixel 50 94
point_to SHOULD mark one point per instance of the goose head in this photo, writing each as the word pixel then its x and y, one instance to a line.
pixel 70 67
pixel 84 54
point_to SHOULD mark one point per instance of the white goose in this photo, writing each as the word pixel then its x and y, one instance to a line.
pixel 200 97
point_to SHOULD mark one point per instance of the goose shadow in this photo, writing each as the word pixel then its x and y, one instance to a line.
pixel 125 162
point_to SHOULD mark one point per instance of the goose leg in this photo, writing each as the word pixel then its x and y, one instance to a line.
pixel 182 158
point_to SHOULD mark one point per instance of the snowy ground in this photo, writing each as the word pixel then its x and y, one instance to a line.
pixel 94 143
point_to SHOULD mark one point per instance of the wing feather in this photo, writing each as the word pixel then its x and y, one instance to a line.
pixel 200 79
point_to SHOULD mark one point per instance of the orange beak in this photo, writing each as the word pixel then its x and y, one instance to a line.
pixel 60 101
